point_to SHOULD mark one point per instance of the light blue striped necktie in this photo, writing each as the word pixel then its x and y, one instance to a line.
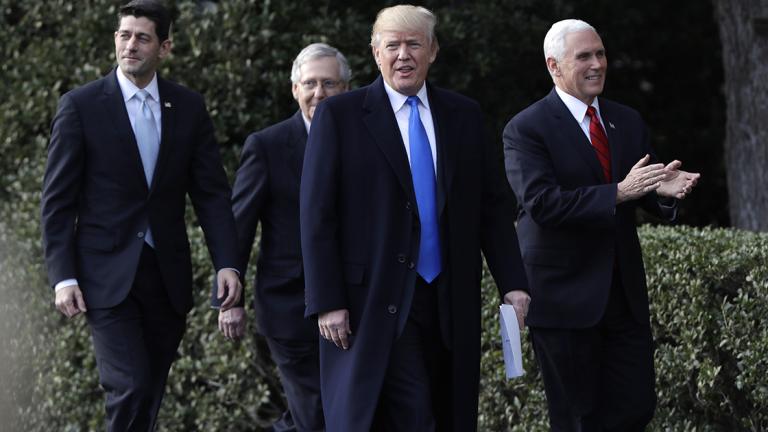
pixel 425 187
pixel 148 140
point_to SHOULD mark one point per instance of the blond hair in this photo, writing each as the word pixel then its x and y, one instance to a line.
pixel 404 18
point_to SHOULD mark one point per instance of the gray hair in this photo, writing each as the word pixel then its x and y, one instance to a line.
pixel 554 41
pixel 406 18
pixel 315 51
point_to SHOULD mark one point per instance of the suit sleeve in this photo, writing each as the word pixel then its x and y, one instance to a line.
pixel 61 188
pixel 319 219
pixel 248 196
pixel 499 236
pixel 532 175
pixel 664 208
pixel 210 194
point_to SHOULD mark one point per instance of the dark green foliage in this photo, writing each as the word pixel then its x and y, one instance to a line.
pixel 709 299
pixel 708 305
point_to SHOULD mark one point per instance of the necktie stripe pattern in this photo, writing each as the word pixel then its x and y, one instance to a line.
pixel 425 186
pixel 148 140
pixel 600 142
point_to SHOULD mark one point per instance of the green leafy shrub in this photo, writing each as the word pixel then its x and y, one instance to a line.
pixel 709 299
pixel 238 54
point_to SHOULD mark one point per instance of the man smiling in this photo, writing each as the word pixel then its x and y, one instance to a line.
pixel 580 166
pixel 125 151
pixel 400 193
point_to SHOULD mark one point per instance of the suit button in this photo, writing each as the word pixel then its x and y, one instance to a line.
pixel 392 309
pixel 140 235
pixel 411 265
pixel 408 206
pixel 401 258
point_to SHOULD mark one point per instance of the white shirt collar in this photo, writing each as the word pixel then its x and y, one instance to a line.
pixel 307 122
pixel 577 108
pixel 129 89
pixel 398 99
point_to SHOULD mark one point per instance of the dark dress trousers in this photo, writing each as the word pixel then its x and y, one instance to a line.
pixel 266 190
pixel 96 206
pixel 589 303
pixel 360 238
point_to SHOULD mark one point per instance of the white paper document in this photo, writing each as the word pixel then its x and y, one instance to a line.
pixel 510 342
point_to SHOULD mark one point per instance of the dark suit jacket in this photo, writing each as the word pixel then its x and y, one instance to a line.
pixel 266 190
pixel 96 199
pixel 360 237
pixel 572 233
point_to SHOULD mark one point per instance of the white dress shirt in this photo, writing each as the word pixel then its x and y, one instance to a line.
pixel 403 111
pixel 579 111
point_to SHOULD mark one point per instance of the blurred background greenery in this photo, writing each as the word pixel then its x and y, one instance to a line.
pixel 664 60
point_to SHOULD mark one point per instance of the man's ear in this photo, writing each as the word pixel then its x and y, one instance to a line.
pixel 553 67
pixel 165 48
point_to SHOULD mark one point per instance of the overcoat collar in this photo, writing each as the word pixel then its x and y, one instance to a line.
pixel 381 122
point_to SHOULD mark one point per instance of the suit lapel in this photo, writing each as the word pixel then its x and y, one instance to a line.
pixel 297 142
pixel 114 105
pixel 614 140
pixel 168 107
pixel 381 123
pixel 446 148
pixel 575 137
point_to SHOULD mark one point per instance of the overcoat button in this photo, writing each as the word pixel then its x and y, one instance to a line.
pixel 401 258
pixel 140 235
pixel 392 309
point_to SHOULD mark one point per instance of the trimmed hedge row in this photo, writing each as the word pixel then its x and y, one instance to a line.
pixel 709 300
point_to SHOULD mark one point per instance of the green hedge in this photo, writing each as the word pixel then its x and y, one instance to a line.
pixel 709 303
pixel 709 300
pixel 238 53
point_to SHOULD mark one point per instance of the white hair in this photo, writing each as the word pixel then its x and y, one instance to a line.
pixel 554 41
pixel 319 50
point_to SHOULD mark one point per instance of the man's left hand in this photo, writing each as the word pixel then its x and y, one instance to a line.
pixel 229 283
pixel 232 322
pixel 677 183
pixel 520 301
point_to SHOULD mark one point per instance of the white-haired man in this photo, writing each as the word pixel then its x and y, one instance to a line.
pixel 400 193
pixel 580 166
pixel 267 189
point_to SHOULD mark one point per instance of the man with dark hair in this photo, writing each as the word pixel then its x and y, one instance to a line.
pixel 125 151
pixel 267 190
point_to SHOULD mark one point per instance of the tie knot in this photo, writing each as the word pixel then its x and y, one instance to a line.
pixel 592 112
pixel 413 101
pixel 142 95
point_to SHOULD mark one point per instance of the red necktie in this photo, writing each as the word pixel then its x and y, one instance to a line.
pixel 600 142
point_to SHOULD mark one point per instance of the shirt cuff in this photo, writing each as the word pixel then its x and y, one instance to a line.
pixel 65 283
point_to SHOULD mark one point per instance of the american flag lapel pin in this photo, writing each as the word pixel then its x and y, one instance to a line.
pixel 611 125
pixel 168 105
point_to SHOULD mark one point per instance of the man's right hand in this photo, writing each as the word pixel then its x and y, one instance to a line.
pixel 69 301
pixel 334 326
pixel 642 179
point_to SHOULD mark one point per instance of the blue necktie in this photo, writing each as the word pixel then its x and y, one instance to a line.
pixel 148 140
pixel 425 187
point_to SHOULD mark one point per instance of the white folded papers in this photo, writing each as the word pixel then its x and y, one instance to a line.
pixel 510 342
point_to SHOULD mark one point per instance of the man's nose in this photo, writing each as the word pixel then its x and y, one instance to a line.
pixel 131 44
pixel 402 52
pixel 319 90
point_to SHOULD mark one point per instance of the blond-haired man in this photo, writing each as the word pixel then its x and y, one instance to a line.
pixel 400 193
